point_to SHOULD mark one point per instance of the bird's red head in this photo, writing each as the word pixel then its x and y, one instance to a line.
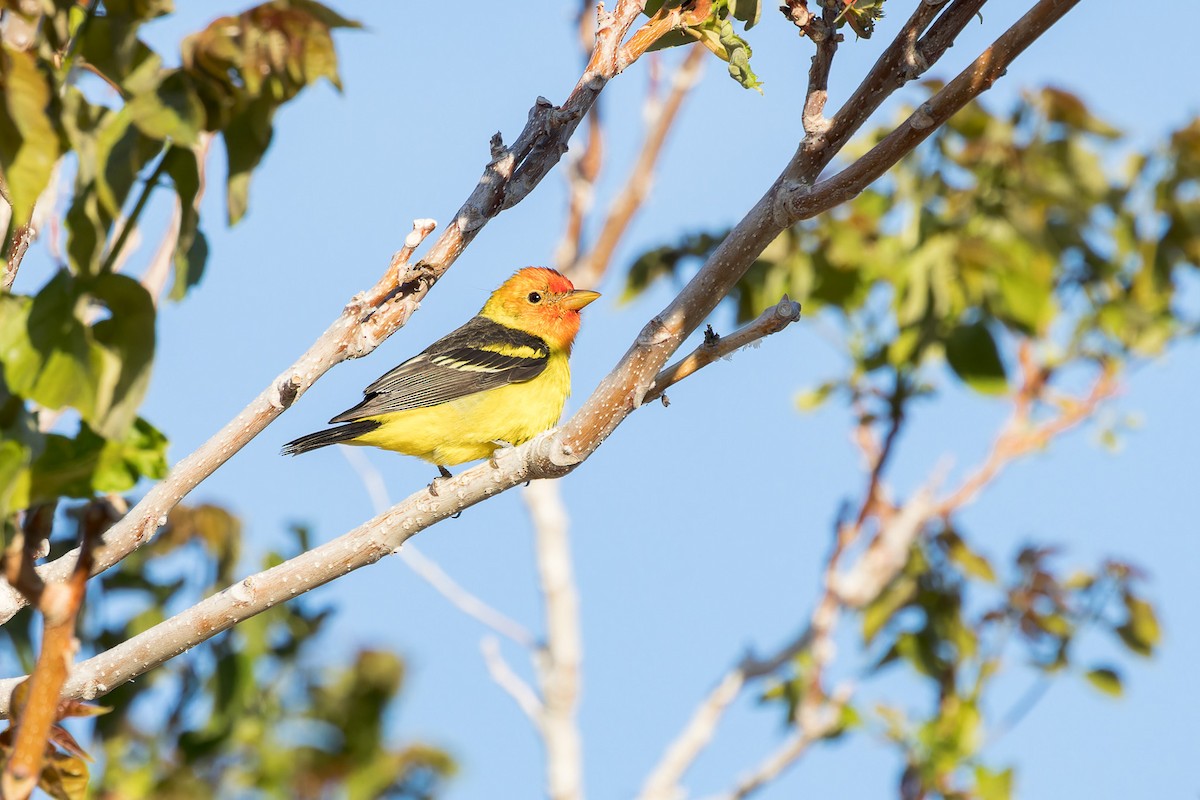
pixel 541 301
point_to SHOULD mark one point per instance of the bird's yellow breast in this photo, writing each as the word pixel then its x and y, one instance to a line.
pixel 469 428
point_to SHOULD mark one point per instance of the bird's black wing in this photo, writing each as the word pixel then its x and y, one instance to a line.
pixel 480 355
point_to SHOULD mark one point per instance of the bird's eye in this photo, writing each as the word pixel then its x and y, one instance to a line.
pixel 535 297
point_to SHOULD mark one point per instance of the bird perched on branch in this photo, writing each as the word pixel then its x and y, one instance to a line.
pixel 499 380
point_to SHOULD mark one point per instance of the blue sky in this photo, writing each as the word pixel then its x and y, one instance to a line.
pixel 698 530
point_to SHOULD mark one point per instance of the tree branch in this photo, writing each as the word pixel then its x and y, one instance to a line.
pixel 801 200
pixel 590 268
pixel 714 348
pixel 430 571
pixel 59 604
pixel 520 691
pixel 558 662
pixel 22 238
pixel 376 314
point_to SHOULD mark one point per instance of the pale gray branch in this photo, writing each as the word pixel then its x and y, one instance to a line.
pixel 430 571
pixel 520 691
pixel 373 316
pixel 559 661
pixel 773 320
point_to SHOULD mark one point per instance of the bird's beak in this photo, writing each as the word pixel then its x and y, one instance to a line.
pixel 579 298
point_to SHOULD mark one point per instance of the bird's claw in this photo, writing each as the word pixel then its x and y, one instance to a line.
pixel 445 475
pixel 500 445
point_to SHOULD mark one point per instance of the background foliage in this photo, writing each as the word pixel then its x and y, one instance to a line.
pixel 1035 227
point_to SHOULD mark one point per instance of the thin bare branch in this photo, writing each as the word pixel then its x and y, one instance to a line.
pixel 581 180
pixel 663 781
pixel 430 571
pixel 59 604
pixel 591 267
pixel 159 269
pixel 714 348
pixel 520 691
pixel 1021 436
pixel 559 661
pixel 787 754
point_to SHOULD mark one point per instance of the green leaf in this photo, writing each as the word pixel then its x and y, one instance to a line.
pixel 991 785
pixel 44 347
pixel 191 248
pixel 748 11
pixel 64 777
pixel 896 596
pixel 812 399
pixel 54 357
pixel 1106 680
pixel 29 144
pixel 126 343
pixel 1066 108
pixel 121 153
pixel 972 354
pixel 170 111
pixel 14 476
pixel 87 229
pixel 971 562
pixel 861 15
pixel 247 138
pixel 734 49
pixel 111 45
pixel 88 464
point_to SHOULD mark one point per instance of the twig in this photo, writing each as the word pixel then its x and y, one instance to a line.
pixel 1020 437
pixel 558 662
pixel 130 223
pixel 591 267
pixel 430 571
pixel 823 32
pixel 581 180
pixel 664 780
pixel 59 604
pixel 159 268
pixel 508 178
pixel 773 320
pixel 787 754
pixel 22 238
pixel 520 691
pixel 801 201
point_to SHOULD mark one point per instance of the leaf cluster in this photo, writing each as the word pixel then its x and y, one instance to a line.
pixel 1003 226
pixel 256 713
pixel 91 94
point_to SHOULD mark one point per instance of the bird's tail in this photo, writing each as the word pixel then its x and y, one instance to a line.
pixel 338 435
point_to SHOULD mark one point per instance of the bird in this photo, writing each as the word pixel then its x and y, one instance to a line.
pixel 497 381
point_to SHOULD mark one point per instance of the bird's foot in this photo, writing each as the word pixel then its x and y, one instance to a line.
pixel 500 446
pixel 445 474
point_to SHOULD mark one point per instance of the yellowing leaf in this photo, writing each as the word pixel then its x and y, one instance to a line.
pixel 29 145
pixel 1106 680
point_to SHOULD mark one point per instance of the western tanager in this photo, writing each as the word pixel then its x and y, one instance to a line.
pixel 499 380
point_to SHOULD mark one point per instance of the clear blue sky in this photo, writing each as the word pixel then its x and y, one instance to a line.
pixel 698 530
